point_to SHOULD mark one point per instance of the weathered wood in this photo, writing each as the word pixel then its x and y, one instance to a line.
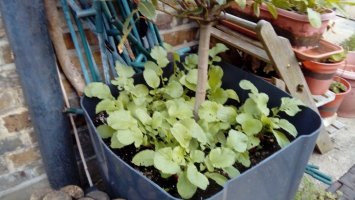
pixel 56 33
pixel 240 36
pixel 73 190
pixel 240 44
pixel 282 56
pixel 324 98
pixel 278 83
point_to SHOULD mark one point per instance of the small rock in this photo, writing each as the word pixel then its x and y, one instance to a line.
pixel 118 199
pixel 57 195
pixel 98 195
pixel 86 198
pixel 38 194
pixel 74 191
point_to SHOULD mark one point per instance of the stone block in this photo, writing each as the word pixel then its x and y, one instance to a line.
pixel 24 158
pixel 6 55
pixel 8 76
pixel 3 167
pixel 180 37
pixel 10 144
pixel 164 21
pixel 10 98
pixel 17 122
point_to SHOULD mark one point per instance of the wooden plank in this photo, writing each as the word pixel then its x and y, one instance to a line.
pixel 240 36
pixel 325 98
pixel 240 44
pixel 282 56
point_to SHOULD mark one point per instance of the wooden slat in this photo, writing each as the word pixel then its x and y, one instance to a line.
pixel 282 56
pixel 240 44
pixel 240 36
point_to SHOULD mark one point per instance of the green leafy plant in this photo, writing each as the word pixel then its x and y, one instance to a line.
pixel 338 57
pixel 349 44
pixel 337 87
pixel 158 119
pixel 309 190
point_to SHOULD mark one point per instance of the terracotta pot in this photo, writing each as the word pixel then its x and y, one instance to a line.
pixel 331 108
pixel 239 29
pixel 347 108
pixel 319 75
pixel 291 25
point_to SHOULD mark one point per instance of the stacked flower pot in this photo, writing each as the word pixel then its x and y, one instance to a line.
pixel 312 51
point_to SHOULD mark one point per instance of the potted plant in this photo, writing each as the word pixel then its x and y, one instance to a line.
pixel 347 108
pixel 162 130
pixel 302 22
pixel 341 88
pixel 319 74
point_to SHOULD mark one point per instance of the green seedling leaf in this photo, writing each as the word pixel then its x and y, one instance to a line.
pixel 144 158
pixel 231 171
pixel 179 155
pixel 143 116
pixel 281 138
pixel 244 159
pixel 272 9
pixel 261 100
pixel 221 157
pixel 247 85
pixel 237 140
pixel 163 161
pixel 105 131
pixel 130 136
pixel 181 134
pixel 219 95
pixel 227 114
pixel 147 9
pixel 314 18
pixel 191 61
pixel 256 9
pixel 197 156
pixel 120 120
pixel 196 131
pixel 290 105
pixel 98 90
pixel 191 77
pixel 185 188
pixel 215 74
pixel 174 89
pixel 151 65
pixel 115 144
pixel 160 56
pixel 250 125
pixel 151 78
pixel 208 111
pixel 232 94
pixel 105 105
pixel 196 177
pixel 140 90
pixel 287 126
pixel 218 178
pixel 124 71
pixel 219 48
pixel 157 120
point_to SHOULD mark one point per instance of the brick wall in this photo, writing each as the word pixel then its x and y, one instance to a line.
pixel 20 161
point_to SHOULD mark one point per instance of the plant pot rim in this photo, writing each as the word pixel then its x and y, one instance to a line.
pixel 293 15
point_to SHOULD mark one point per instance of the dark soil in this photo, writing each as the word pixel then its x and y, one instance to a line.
pixel 267 147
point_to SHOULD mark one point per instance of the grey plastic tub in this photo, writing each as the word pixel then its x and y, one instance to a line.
pixel 275 178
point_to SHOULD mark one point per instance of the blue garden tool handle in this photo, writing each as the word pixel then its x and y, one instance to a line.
pixel 313 171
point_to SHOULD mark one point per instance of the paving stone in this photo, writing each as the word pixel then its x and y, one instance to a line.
pixel 3 167
pixel 98 195
pixel 57 195
pixel 10 144
pixel 74 191
pixel 38 194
